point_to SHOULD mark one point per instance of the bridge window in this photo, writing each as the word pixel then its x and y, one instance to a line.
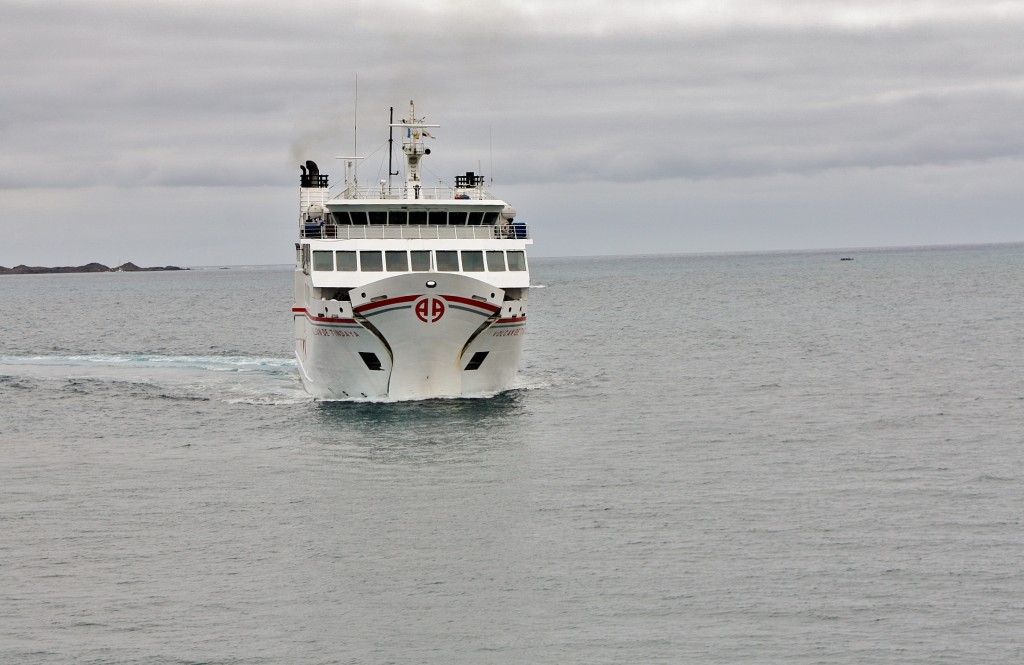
pixel 378 216
pixel 420 260
pixel 473 261
pixel 358 218
pixel 398 217
pixel 447 261
pixel 371 262
pixel 323 260
pixel 397 261
pixel 457 218
pixel 417 216
pixel 476 218
pixel 496 261
pixel 346 261
pixel 439 217
pixel 517 260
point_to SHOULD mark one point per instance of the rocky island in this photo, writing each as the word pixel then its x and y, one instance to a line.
pixel 89 267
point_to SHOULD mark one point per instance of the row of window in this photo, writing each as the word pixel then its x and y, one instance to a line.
pixel 440 217
pixel 419 261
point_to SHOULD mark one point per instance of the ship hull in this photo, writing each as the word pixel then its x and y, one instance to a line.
pixel 412 336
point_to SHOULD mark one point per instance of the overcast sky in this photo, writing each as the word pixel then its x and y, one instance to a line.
pixel 170 132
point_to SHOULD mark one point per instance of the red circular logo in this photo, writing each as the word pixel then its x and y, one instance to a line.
pixel 429 310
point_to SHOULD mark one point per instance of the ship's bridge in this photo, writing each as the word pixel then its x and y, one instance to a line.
pixel 403 212
pixel 367 219
pixel 424 218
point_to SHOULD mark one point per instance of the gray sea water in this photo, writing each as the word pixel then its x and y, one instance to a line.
pixel 774 458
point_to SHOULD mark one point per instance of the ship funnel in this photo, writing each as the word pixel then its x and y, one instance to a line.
pixel 313 177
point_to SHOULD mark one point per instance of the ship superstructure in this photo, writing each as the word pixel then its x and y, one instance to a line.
pixel 408 292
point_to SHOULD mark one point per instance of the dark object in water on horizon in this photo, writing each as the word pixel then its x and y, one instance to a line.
pixel 846 258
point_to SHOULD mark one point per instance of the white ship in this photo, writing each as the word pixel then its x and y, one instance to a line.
pixel 408 292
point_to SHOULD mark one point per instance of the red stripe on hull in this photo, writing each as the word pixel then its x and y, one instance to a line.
pixel 476 303
pixel 384 303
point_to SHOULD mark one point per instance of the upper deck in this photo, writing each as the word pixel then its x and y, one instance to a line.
pixel 392 213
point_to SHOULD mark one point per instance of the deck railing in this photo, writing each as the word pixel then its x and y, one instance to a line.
pixel 517 231
pixel 431 193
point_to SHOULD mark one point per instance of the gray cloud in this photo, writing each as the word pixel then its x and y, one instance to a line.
pixel 234 95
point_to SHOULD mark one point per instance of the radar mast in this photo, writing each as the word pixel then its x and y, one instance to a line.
pixel 414 149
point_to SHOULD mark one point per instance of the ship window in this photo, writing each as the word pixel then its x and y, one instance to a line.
pixel 437 217
pixel 341 218
pixel 447 261
pixel 475 218
pixel 476 360
pixel 458 218
pixel 517 260
pixel 371 360
pixel 378 216
pixel 358 217
pixel 473 261
pixel 496 261
pixel 370 262
pixel 398 217
pixel 490 218
pixel 420 260
pixel 397 261
pixel 417 216
pixel 323 260
pixel 346 261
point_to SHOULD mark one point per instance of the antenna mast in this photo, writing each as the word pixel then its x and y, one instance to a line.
pixel 355 120
pixel 391 146
pixel 352 163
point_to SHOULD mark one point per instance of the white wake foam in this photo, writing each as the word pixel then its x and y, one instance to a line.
pixel 232 379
